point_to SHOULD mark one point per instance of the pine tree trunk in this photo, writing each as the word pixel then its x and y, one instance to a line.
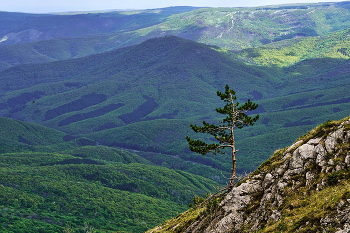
pixel 233 177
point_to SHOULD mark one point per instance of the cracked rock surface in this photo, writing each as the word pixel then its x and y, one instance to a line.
pixel 260 199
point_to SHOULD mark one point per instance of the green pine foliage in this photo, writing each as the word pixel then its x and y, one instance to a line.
pixel 235 117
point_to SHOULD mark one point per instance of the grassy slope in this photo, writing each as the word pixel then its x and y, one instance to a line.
pixel 79 35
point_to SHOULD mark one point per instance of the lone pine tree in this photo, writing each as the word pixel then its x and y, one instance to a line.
pixel 236 117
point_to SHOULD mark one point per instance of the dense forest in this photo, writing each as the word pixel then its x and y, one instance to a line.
pixel 94 118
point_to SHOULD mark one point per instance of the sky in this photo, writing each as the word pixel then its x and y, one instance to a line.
pixel 50 6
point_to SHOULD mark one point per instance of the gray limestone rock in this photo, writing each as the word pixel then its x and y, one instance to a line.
pixel 293 146
pixel 239 197
pixel 331 162
pixel 308 164
pixel 267 181
pixel 346 229
pixel 319 149
pixel 320 160
pixel 314 141
pixel 275 216
pixel 296 161
pixel 307 151
pixel 281 185
pixel 286 155
pixel 326 221
pixel 309 177
pixel 287 175
pixel 232 221
pixel 331 140
pixel 265 192
pixel 339 167
pixel 347 160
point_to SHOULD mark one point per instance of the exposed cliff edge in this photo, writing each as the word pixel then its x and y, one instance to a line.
pixel 302 188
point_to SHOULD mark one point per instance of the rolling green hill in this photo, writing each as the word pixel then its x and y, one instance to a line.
pixel 51 187
pixel 81 34
pixel 110 151
pixel 51 191
pixel 136 96
pixel 19 28
pixel 173 79
pixel 22 136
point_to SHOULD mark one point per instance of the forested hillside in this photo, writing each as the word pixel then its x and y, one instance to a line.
pixel 94 111
pixel 73 35
pixel 136 96
pixel 51 185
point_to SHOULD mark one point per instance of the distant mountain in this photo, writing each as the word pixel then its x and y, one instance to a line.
pixel 145 96
pixel 18 28
pixel 100 112
pixel 77 35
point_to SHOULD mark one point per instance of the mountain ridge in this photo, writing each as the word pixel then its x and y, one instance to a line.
pixel 173 78
pixel 210 25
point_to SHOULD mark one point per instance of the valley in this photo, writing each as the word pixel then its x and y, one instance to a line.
pixel 102 101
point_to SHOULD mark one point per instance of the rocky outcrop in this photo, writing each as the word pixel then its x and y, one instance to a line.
pixel 290 184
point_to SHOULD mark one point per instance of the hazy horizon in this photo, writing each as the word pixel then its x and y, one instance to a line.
pixel 45 6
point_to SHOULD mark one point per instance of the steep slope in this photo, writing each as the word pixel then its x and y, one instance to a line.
pixel 76 35
pixel 302 188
